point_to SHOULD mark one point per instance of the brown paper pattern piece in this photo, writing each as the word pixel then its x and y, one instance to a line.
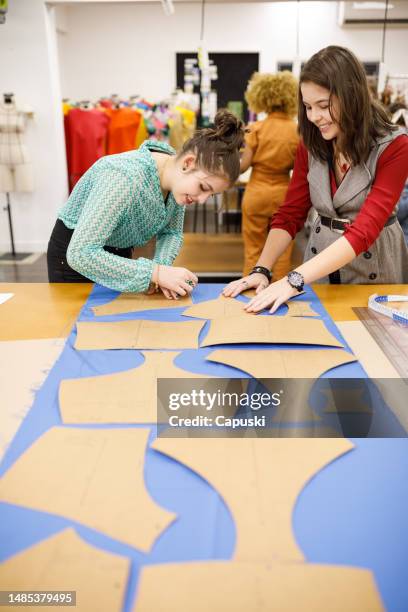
pixel 300 364
pixel 346 401
pixel 123 397
pixel 260 481
pixel 269 330
pixel 32 359
pixel 137 334
pixel 134 302
pixel 300 309
pixel 93 476
pixel 296 363
pixel 131 396
pixel 214 309
pixel 222 586
pixel 65 562
pixel 250 293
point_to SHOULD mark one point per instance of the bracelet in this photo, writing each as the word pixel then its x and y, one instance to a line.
pixel 262 270
pixel 374 303
pixel 157 283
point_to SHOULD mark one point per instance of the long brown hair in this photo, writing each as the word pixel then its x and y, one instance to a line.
pixel 217 148
pixel 361 119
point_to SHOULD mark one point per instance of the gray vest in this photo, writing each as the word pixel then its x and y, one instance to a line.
pixel 386 261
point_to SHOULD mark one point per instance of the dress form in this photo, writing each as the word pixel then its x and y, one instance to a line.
pixel 15 168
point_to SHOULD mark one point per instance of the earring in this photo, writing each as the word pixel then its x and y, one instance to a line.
pixel 184 168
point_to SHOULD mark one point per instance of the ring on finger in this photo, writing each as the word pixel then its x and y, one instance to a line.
pixel 190 282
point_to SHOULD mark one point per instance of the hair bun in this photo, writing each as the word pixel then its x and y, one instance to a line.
pixel 217 148
pixel 228 129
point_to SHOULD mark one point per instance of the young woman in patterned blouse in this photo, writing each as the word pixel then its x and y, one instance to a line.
pixel 124 200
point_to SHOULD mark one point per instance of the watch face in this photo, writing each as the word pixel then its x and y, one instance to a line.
pixel 295 279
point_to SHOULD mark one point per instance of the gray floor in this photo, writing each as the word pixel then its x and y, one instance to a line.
pixel 25 273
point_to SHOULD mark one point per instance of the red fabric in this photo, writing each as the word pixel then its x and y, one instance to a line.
pixel 123 129
pixel 106 103
pixel 391 175
pixel 85 138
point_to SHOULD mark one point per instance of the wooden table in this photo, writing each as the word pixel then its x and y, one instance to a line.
pixel 339 300
pixel 42 310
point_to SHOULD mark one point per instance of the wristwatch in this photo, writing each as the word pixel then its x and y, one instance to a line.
pixel 262 270
pixel 296 280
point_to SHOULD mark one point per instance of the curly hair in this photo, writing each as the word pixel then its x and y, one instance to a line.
pixel 267 93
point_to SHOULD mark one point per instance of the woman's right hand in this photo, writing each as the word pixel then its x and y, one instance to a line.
pixel 174 281
pixel 252 281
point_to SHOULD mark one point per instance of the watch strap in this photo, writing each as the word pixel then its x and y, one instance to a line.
pixel 262 270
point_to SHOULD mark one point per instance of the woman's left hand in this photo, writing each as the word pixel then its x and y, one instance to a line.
pixel 170 295
pixel 276 294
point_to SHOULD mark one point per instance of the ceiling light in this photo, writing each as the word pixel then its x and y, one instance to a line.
pixel 371 6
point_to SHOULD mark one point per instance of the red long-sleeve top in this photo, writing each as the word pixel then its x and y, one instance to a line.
pixel 389 181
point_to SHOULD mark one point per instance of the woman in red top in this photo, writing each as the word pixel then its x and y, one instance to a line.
pixel 351 167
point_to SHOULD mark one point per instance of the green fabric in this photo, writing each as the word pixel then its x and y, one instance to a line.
pixel 118 202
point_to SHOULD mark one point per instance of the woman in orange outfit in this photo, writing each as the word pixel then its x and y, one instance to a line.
pixel 270 148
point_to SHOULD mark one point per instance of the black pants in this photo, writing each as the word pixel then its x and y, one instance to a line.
pixel 58 269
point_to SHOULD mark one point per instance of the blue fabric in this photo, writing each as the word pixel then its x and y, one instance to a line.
pixel 352 512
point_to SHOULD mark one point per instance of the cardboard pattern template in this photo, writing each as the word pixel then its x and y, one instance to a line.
pixel 300 364
pixel 65 562
pixel 242 587
pixel 214 309
pixel 269 330
pixel 292 363
pixel 135 302
pixel 123 397
pixel 93 476
pixel 138 334
pixel 300 309
pixel 260 481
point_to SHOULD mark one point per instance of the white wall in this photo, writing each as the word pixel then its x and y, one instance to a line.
pixel 29 68
pixel 130 48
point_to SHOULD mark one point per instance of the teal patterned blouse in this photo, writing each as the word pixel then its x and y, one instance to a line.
pixel 118 202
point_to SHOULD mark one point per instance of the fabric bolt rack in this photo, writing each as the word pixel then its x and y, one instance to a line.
pixel 91 133
pixel 114 126
pixel 85 140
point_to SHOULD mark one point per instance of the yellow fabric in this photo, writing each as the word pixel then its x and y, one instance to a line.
pixel 66 107
pixel 141 134
pixel 189 116
pixel 182 126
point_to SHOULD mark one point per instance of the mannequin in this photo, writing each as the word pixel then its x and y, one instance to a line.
pixel 15 168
